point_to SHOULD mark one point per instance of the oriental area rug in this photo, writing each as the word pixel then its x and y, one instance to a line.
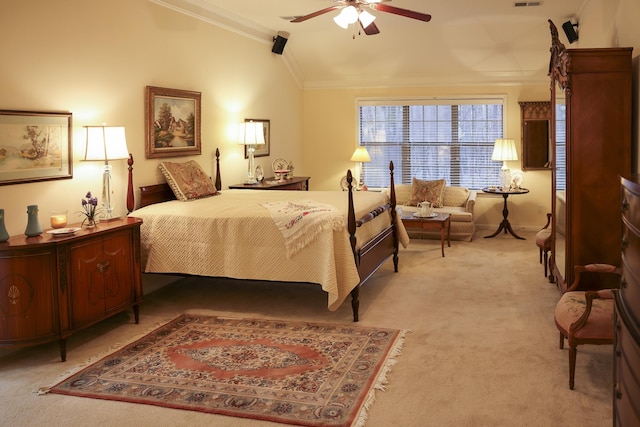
pixel 300 373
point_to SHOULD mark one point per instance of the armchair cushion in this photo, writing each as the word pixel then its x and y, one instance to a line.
pixel 599 324
pixel 543 238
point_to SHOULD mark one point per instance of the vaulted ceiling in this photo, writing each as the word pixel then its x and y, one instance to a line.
pixel 466 41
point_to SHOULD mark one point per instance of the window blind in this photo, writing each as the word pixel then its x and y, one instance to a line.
pixel 431 139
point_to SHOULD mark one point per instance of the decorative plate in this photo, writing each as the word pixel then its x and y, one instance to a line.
pixel 431 215
pixel 344 184
pixel 63 231
pixel 280 164
pixel 517 177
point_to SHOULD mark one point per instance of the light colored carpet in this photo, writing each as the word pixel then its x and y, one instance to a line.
pixel 483 350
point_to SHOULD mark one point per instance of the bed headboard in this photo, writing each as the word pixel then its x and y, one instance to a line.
pixel 157 193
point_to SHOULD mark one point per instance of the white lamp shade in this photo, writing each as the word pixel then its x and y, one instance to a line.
pixel 251 133
pixel 105 143
pixel 366 18
pixel 348 15
pixel 504 149
pixel 361 155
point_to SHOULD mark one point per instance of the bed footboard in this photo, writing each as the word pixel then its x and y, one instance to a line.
pixel 374 253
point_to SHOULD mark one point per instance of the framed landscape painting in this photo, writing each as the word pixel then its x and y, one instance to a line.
pixel 172 122
pixel 35 146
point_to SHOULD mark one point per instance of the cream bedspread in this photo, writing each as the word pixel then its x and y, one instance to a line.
pixel 232 235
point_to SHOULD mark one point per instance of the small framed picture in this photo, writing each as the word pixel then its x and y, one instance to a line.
pixel 172 122
pixel 35 146
pixel 262 150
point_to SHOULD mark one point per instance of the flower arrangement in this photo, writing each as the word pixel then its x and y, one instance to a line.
pixel 90 211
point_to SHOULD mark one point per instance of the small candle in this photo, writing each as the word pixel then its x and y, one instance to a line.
pixel 58 219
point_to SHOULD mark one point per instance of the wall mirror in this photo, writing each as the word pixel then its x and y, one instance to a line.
pixel 535 118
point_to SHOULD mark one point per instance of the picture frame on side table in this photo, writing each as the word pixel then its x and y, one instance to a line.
pixel 263 149
pixel 172 125
pixel 35 146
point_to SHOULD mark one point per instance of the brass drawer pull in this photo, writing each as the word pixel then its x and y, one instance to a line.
pixel 103 266
pixel 618 393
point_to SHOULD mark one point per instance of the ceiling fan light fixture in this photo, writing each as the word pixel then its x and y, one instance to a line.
pixel 366 18
pixel 348 15
pixel 342 23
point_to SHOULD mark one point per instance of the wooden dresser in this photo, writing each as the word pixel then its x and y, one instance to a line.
pixel 626 400
pixel 51 287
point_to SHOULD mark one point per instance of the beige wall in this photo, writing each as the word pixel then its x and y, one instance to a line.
pixel 94 59
pixel 330 134
pixel 330 116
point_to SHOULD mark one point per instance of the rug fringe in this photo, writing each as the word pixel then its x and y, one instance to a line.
pixel 381 380
pixel 112 348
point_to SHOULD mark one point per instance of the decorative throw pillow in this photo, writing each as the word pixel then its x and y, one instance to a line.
pixel 427 191
pixel 187 180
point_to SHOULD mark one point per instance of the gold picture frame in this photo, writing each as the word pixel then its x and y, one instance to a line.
pixel 263 149
pixel 172 125
pixel 35 146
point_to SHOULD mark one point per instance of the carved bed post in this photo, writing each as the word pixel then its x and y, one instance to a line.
pixel 351 228
pixel 130 198
pixel 394 216
pixel 218 180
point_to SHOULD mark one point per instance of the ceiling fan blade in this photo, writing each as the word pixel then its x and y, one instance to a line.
pixel 316 13
pixel 402 12
pixel 371 29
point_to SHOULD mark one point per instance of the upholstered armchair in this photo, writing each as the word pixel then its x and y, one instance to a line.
pixel 543 241
pixel 586 316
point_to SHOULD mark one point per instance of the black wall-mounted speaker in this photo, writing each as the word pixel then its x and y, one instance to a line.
pixel 572 36
pixel 279 42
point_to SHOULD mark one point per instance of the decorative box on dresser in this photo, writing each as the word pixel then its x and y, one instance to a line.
pixel 591 94
pixel 52 286
pixel 626 400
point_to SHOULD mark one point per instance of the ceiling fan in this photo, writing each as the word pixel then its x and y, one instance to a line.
pixel 353 11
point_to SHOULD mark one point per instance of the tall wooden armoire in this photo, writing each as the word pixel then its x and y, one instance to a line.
pixel 591 143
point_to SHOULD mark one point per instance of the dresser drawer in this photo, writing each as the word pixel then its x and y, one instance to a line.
pixel 628 350
pixel 627 368
pixel 630 290
pixel 631 207
pixel 624 412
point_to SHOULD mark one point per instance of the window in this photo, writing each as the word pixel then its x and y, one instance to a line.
pixel 431 139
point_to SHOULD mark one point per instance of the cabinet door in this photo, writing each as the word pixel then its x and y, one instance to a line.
pixel 86 283
pixel 118 271
pixel 27 312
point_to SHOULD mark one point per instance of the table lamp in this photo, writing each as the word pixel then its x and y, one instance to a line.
pixel 104 143
pixel 360 155
pixel 503 150
pixel 251 134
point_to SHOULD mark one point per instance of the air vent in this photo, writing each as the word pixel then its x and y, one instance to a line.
pixel 527 3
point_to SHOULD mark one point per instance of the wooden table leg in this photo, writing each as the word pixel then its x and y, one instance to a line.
pixel 505 225
pixel 449 231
